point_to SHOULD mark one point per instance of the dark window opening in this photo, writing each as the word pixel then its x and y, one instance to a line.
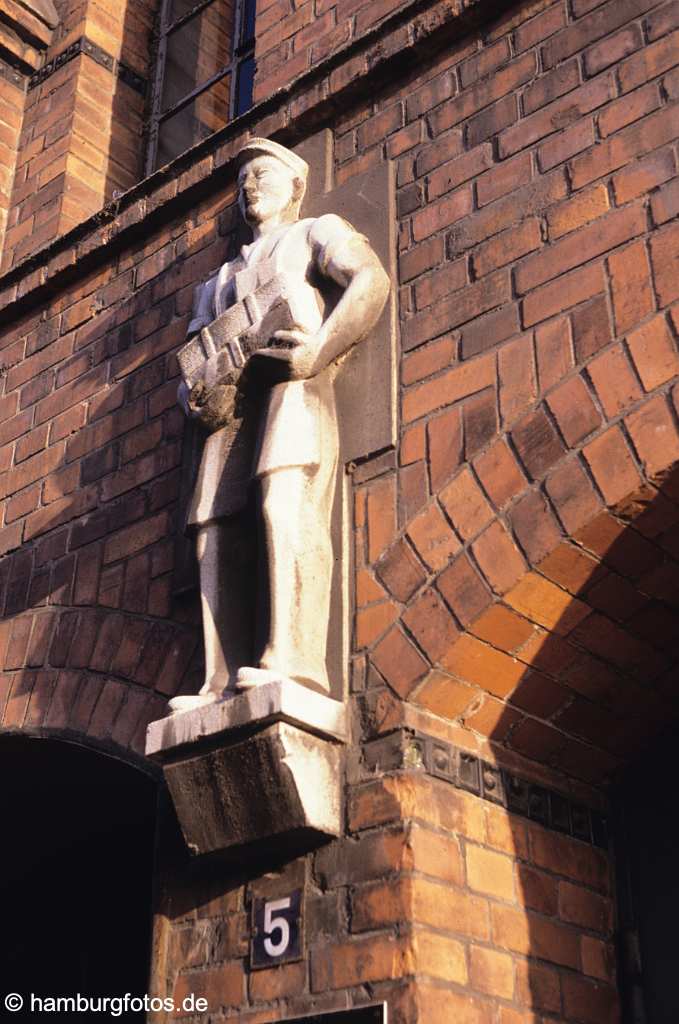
pixel 646 855
pixel 205 73
pixel 77 869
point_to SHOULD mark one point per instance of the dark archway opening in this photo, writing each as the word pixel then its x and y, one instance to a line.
pixel 647 851
pixel 76 874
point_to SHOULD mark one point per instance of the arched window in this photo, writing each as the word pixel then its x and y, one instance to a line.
pixel 204 74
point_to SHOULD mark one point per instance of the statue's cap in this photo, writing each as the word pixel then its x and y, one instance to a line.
pixel 267 147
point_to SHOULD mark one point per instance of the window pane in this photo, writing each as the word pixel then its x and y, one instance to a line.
pixel 198 119
pixel 197 51
pixel 247 34
pixel 244 85
pixel 178 8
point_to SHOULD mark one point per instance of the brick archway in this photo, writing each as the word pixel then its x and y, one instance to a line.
pixel 532 604
pixel 78 859
pixel 94 673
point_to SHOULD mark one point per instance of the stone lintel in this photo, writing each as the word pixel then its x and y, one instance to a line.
pixel 280 701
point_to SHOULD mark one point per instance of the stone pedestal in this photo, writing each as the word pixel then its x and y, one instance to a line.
pixel 263 767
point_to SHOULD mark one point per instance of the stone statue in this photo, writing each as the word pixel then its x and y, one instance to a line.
pixel 267 337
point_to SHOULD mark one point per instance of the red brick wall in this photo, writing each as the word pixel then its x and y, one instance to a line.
pixel 537 177
pixel 514 556
pixel 447 907
pixel 11 117
pixel 81 133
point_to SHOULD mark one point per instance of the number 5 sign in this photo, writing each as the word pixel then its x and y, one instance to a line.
pixel 277 930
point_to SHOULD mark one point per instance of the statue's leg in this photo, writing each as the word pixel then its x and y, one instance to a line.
pixel 296 545
pixel 226 562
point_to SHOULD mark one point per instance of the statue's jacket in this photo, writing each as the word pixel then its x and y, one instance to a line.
pixel 297 427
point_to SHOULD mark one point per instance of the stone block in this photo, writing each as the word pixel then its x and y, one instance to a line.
pixel 279 787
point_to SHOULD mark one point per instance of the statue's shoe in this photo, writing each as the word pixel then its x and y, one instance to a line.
pixel 188 703
pixel 248 678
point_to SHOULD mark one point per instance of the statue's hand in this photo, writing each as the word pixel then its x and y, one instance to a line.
pixel 214 406
pixel 302 351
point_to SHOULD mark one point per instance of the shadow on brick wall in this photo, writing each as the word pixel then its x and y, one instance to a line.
pixel 599 694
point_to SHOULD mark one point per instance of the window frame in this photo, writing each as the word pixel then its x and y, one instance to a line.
pixel 243 49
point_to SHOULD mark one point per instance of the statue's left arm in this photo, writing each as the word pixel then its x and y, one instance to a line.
pixel 346 257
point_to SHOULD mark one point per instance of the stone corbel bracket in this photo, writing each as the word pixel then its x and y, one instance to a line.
pixel 260 769
pixel 26 28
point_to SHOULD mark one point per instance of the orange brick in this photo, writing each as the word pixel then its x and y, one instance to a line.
pixel 517 378
pixel 438 1005
pixel 432 625
pixel 506 832
pixel 444 443
pixel 507 247
pixel 221 986
pixel 381 516
pixel 538 986
pixel 498 558
pixel 579 210
pixel 654 353
pixel 538 890
pixel 459 382
pixel 491 972
pixel 502 628
pixel 584 908
pixel 631 286
pixel 368 590
pixel 656 130
pixel 614 380
pixel 440 957
pixel 413 445
pixel 450 909
pixel 554 350
pixel 570 858
pixel 403 797
pixel 527 933
pixel 612 466
pixel 577 103
pixel 574 410
pixel 397 659
pixel 433 538
pixel 442 214
pixel 580 246
pixel 664 251
pixel 444 695
pixel 546 604
pixel 344 964
pixel 499 473
pixel 589 1001
pixel 650 62
pixel 282 982
pixel 428 360
pixel 400 571
pixel 465 504
pixel 654 435
pixel 481 665
pixel 572 494
pixel 490 873
pixel 598 959
pixel 373 621
pixel 643 176
pixel 613 49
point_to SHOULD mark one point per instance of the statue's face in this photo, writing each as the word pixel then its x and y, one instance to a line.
pixel 266 189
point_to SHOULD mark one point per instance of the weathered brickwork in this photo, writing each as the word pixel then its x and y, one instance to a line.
pixel 476 915
pixel 81 129
pixel 11 117
pixel 515 557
